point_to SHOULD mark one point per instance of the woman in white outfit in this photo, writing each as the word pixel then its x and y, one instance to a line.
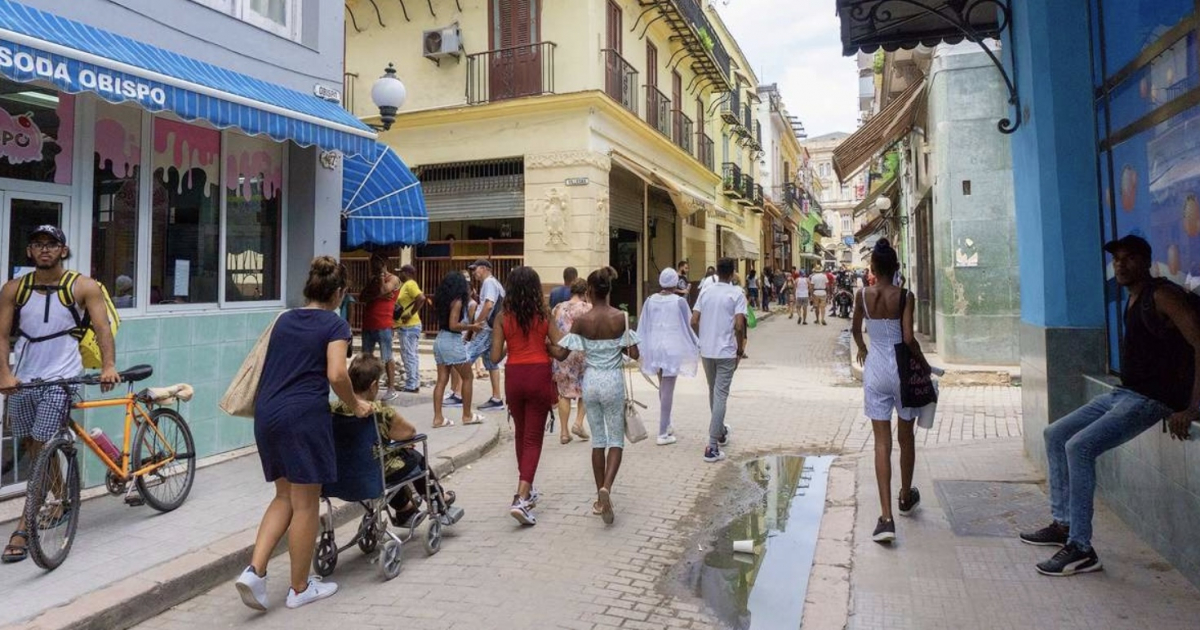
pixel 888 312
pixel 668 345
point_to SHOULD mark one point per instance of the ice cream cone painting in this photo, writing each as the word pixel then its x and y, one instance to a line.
pixel 1129 180
pixel 1191 216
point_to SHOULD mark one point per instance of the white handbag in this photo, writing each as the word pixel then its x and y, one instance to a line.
pixel 243 390
pixel 635 429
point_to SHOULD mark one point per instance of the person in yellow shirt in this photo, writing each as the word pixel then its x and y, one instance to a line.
pixel 407 313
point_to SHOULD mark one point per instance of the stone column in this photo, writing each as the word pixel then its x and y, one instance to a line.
pixel 1057 208
pixel 566 213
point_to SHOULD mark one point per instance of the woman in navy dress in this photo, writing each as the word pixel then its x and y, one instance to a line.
pixel 306 356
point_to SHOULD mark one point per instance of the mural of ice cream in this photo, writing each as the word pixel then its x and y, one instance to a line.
pixel 117 145
pixel 65 139
pixel 187 148
pixel 1191 216
pixel 244 167
pixel 1129 181
pixel 20 138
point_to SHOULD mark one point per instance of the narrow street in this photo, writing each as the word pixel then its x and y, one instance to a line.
pixel 792 396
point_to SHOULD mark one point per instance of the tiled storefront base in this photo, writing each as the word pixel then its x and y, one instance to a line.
pixel 202 350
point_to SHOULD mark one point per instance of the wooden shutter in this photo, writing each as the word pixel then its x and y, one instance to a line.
pixel 614 38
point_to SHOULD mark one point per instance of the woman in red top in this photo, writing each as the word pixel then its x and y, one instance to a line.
pixel 522 328
pixel 378 298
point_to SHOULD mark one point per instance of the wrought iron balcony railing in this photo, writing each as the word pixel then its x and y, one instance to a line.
pixel 658 110
pixel 791 196
pixel 704 150
pixel 756 138
pixel 512 72
pixel 620 80
pixel 681 130
pixel 730 108
pixel 757 200
pixel 747 190
pixel 748 115
pixel 731 181
pixel 698 36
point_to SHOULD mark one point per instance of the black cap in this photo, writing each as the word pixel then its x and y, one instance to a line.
pixel 51 231
pixel 482 262
pixel 1130 243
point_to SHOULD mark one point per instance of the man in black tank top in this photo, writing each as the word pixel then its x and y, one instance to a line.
pixel 1160 379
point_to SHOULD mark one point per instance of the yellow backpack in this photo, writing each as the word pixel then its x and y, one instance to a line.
pixel 83 332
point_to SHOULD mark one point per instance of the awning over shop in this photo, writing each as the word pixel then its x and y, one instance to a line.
pixel 885 189
pixel 734 245
pixel 382 202
pixel 687 200
pixel 36 45
pixel 873 226
pixel 868 25
pixel 884 128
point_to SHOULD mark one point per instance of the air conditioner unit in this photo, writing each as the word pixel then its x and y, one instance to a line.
pixel 441 43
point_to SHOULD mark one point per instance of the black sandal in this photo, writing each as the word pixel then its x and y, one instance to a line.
pixel 15 553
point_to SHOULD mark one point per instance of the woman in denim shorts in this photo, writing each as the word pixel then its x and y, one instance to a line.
pixel 449 350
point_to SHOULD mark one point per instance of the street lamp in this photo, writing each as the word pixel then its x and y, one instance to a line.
pixel 388 94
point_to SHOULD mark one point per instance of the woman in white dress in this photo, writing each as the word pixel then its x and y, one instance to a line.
pixel 668 345
pixel 887 310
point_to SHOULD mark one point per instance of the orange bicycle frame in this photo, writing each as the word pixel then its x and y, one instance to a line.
pixel 134 414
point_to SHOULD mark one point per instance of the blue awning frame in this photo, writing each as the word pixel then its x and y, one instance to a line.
pixel 382 202
pixel 38 46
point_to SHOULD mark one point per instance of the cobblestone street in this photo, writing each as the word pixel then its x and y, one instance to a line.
pixel 792 395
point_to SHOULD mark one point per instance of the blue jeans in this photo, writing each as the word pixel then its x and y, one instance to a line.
pixel 481 346
pixel 381 338
pixel 410 341
pixel 1074 442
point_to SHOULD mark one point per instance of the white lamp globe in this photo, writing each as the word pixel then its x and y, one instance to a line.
pixel 388 94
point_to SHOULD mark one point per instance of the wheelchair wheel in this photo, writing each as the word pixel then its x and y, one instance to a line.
pixel 433 537
pixel 390 559
pixel 368 539
pixel 326 556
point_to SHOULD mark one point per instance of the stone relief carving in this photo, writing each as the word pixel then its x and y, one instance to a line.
pixel 556 210
pixel 600 233
pixel 569 158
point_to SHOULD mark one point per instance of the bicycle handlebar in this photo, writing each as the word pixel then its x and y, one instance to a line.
pixel 129 375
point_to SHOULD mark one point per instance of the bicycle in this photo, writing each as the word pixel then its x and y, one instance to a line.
pixel 162 448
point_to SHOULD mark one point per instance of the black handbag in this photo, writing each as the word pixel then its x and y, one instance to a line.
pixel 916 381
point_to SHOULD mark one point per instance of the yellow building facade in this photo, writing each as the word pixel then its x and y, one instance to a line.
pixel 582 133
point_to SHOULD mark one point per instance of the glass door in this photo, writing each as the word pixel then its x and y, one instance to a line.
pixel 20 214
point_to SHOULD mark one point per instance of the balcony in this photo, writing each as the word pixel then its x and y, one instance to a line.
pixel 704 150
pixel 731 181
pixel 748 116
pixel 747 190
pixel 694 32
pixel 658 110
pixel 681 130
pixel 730 107
pixel 755 137
pixel 620 80
pixel 757 200
pixel 791 196
pixel 513 72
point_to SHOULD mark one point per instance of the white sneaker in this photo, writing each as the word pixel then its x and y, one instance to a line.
pixel 316 590
pixel 664 440
pixel 670 429
pixel 521 512
pixel 252 589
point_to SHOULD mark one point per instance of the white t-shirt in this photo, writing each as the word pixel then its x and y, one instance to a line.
pixel 708 281
pixel 819 282
pixel 717 305
pixel 491 291
pixel 801 287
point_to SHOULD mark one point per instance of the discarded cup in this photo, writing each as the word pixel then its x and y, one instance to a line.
pixel 743 546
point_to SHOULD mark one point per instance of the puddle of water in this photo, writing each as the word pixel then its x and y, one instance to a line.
pixel 766 589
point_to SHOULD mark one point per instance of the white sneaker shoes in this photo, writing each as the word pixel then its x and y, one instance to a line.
pixel 252 589
pixel 316 590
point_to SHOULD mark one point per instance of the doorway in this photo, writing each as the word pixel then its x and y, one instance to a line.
pixel 516 59
pixel 20 214
pixel 624 255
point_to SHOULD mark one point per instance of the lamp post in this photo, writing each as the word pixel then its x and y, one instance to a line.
pixel 388 94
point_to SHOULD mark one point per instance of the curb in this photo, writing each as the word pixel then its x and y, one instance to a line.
pixel 135 599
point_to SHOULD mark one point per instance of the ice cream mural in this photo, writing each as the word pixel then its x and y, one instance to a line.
pixel 117 147
pixel 247 166
pixel 20 138
pixel 66 139
pixel 187 148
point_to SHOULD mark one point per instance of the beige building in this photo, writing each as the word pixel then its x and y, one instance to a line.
pixel 838 200
pixel 582 133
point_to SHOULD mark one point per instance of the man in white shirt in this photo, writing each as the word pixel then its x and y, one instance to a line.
pixel 719 319
pixel 819 283
pixel 491 296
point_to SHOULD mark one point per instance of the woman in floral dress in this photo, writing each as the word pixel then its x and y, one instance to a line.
pixel 568 375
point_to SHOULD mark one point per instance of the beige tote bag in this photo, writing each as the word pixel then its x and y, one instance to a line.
pixel 239 398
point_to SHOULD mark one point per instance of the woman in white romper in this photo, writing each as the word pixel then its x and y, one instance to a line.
pixel 888 312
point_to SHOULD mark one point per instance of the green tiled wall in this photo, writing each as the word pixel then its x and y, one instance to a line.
pixel 202 350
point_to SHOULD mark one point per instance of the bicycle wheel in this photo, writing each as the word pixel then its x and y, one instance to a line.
pixel 167 487
pixel 52 503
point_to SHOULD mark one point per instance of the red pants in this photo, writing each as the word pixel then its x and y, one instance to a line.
pixel 531 393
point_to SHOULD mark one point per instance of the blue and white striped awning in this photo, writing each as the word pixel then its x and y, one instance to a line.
pixel 36 45
pixel 382 202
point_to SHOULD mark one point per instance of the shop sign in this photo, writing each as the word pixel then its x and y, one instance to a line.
pixel 20 138
pixel 24 64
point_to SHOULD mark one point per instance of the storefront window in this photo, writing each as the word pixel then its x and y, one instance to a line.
pixel 117 163
pixel 253 218
pixel 185 239
pixel 36 133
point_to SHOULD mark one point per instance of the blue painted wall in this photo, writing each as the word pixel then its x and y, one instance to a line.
pixel 1054 167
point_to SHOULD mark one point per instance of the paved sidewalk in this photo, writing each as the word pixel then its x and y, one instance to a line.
pixel 119 548
pixel 933 579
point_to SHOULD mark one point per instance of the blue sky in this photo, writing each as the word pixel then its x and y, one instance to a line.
pixel 796 43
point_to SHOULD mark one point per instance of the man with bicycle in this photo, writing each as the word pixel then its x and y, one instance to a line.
pixel 46 350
